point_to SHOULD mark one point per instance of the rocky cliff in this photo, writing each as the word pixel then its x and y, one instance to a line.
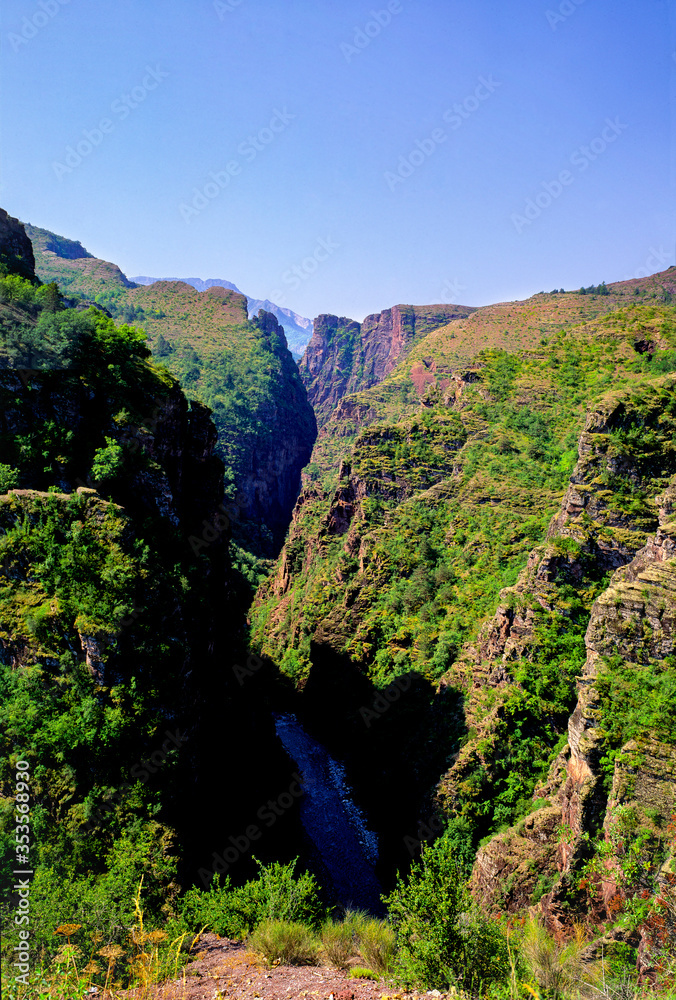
pixel 344 356
pixel 16 250
pixel 241 368
pixel 458 522
pixel 599 838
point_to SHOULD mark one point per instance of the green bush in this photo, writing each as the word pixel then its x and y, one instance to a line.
pixel 9 478
pixel 108 462
pixel 358 972
pixel 338 944
pixel 441 940
pixel 277 894
pixel 285 941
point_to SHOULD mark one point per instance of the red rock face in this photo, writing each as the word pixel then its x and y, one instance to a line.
pixel 345 356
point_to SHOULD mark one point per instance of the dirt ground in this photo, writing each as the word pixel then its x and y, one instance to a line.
pixel 225 970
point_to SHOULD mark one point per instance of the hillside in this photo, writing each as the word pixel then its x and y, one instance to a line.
pixel 455 537
pixel 297 329
pixel 240 368
pixel 460 660
pixel 344 356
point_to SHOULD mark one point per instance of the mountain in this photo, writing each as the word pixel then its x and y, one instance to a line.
pixel 120 628
pixel 460 524
pixel 475 599
pixel 344 356
pixel 75 271
pixel 297 329
pixel 240 367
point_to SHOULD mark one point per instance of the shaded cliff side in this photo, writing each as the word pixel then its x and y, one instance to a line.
pixel 16 250
pixel 114 579
pixel 241 368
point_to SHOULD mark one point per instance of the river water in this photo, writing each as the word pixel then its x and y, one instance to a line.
pixel 347 849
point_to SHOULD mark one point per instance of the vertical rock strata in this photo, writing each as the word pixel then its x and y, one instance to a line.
pixel 344 356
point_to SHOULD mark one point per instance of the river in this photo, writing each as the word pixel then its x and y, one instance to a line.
pixel 346 848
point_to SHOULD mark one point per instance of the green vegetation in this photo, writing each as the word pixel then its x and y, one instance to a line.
pixel 276 895
pixel 441 940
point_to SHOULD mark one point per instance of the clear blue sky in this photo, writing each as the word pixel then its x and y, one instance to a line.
pixel 357 142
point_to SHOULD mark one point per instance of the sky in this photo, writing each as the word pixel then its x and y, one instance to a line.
pixel 343 157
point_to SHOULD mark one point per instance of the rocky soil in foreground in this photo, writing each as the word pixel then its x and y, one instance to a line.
pixel 225 970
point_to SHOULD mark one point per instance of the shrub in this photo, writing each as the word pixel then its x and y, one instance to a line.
pixel 559 971
pixel 285 941
pixel 108 462
pixel 9 478
pixel 441 940
pixel 360 973
pixel 277 894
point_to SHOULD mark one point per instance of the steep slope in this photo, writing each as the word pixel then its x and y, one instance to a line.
pixel 297 329
pixel 241 368
pixel 76 272
pixel 344 356
pixel 424 498
pixel 601 841
pixel 118 690
pixel 16 251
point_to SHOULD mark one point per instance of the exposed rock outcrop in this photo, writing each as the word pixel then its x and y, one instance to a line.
pixel 16 250
pixel 344 356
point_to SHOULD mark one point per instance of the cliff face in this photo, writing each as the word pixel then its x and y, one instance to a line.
pixel 614 782
pixel 242 369
pixel 16 250
pixel 270 473
pixel 344 356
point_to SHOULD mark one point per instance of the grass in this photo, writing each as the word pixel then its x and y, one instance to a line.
pixel 285 942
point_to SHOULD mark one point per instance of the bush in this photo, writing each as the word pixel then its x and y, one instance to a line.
pixel 285 941
pixel 108 462
pixel 277 894
pixel 360 973
pixel 9 478
pixel 338 944
pixel 558 971
pixel 441 940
